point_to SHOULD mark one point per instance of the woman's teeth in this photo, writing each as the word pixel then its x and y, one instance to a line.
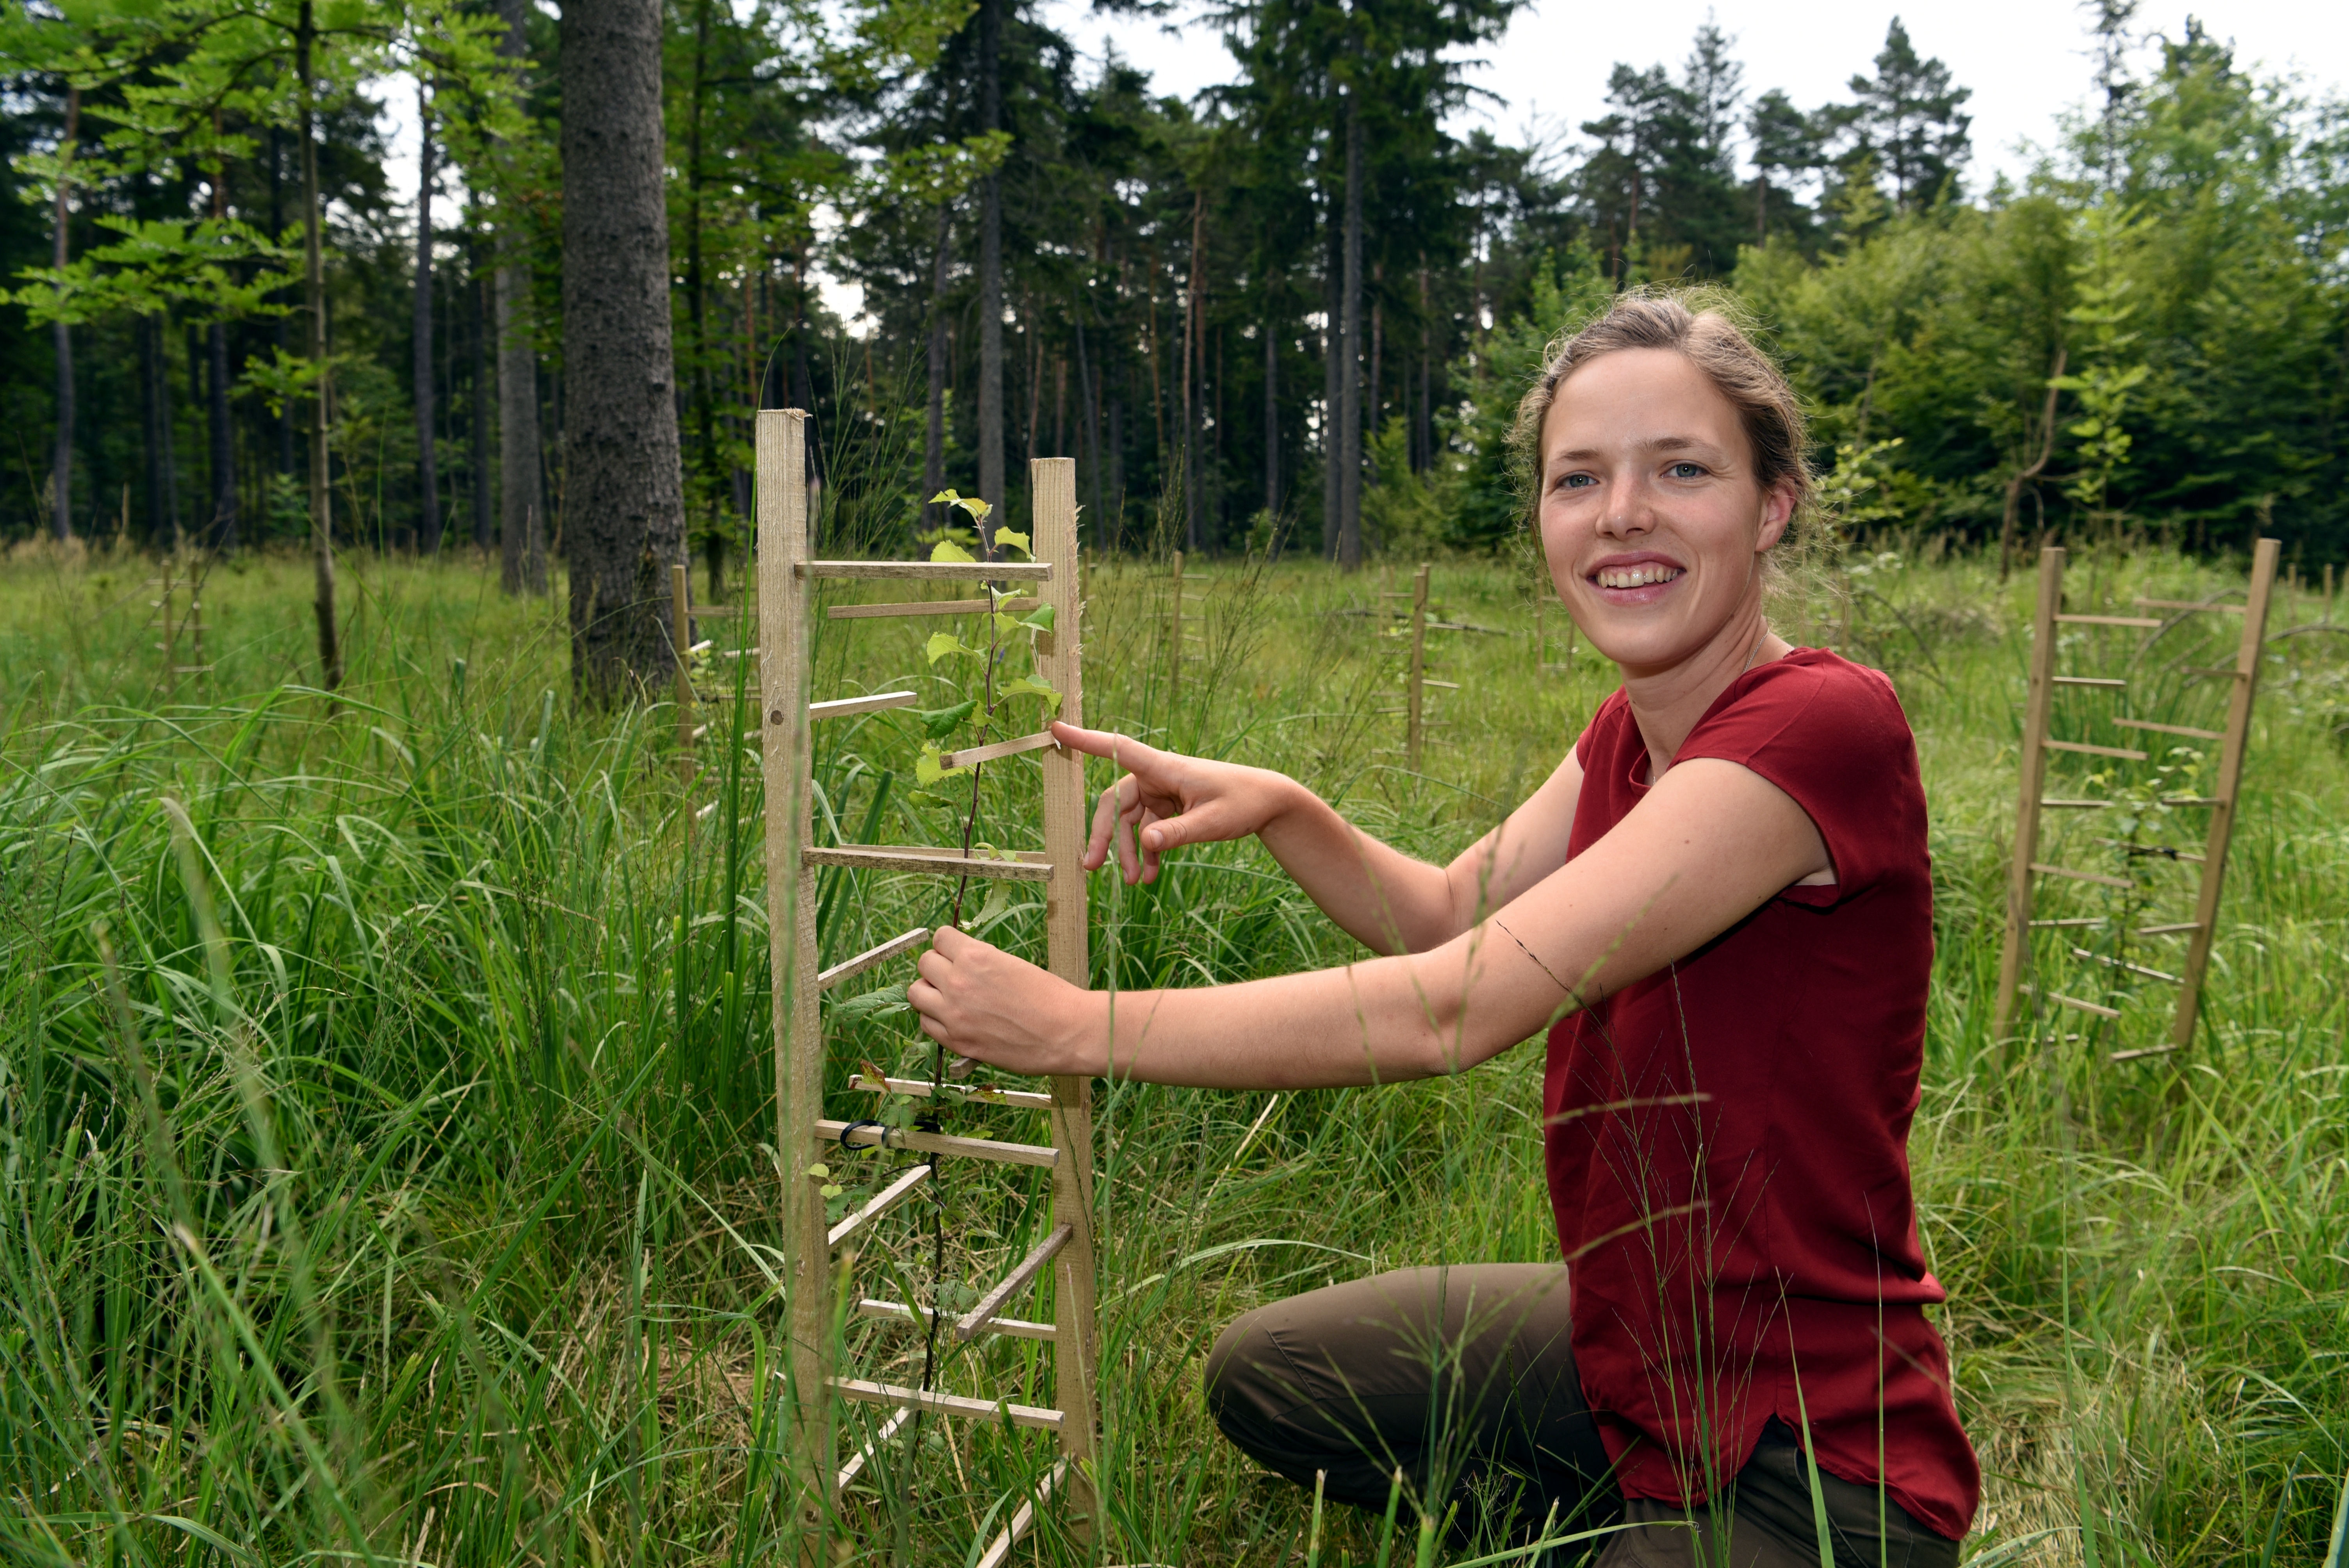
pixel 1636 576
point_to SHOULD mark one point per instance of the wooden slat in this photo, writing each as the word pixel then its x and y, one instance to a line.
pixel 2050 925
pixel 2186 729
pixel 2098 681
pixel 946 1404
pixel 986 1094
pixel 1023 1521
pixel 2084 750
pixel 927 607
pixel 848 707
pixel 2106 620
pixel 2015 951
pixel 1012 1284
pixel 2096 877
pixel 880 1203
pixel 863 1456
pixel 871 1136
pixel 2077 805
pixel 2191 800
pixel 2100 1010
pixel 932 861
pixel 1442 686
pixel 2116 963
pixel 898 1312
pixel 2190 604
pixel 927 571
pixel 2170 930
pixel 972 755
pixel 2141 1051
pixel 849 968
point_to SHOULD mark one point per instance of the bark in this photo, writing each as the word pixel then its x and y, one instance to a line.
pixel 61 466
pixel 622 464
pixel 427 472
pixel 933 438
pixel 1333 348
pixel 1195 366
pixel 477 308
pixel 286 413
pixel 990 262
pixel 314 289
pixel 697 294
pixel 1350 354
pixel 223 443
pixel 2024 476
pixel 1089 425
pixel 521 507
pixel 1271 408
pixel 151 437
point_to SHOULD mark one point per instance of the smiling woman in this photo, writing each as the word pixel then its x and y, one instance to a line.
pixel 1719 908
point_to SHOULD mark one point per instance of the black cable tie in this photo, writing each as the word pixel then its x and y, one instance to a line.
pixel 852 1127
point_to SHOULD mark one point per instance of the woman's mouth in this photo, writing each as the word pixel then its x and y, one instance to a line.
pixel 1640 576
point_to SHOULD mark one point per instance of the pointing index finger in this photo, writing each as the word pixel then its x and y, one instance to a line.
pixel 1124 750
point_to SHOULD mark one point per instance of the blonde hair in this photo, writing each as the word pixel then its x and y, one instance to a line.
pixel 1708 337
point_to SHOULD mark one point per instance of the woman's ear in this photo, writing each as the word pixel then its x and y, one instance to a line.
pixel 1777 512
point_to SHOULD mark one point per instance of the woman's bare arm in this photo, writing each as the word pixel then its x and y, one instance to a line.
pixel 1710 844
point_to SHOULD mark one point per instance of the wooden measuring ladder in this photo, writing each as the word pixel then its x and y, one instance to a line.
pixel 172 619
pixel 1417 682
pixel 787 584
pixel 2015 957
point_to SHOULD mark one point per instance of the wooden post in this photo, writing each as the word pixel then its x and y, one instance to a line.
pixel 2230 775
pixel 2017 951
pixel 1053 485
pixel 1415 687
pixel 1174 638
pixel 783 627
pixel 2328 593
pixel 681 639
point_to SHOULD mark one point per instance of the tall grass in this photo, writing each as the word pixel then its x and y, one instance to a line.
pixel 385 1118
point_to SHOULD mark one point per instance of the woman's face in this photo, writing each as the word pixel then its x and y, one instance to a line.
pixel 1651 516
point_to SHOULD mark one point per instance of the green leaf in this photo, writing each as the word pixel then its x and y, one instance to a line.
pixel 927 769
pixel 1029 685
pixel 1041 620
pixel 937 723
pixel 1014 539
pixel 820 1171
pixel 942 643
pixel 882 1004
pixel 948 549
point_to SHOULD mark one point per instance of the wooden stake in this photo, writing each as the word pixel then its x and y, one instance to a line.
pixel 786 759
pixel 1414 690
pixel 1174 638
pixel 2017 949
pixel 681 642
pixel 2230 775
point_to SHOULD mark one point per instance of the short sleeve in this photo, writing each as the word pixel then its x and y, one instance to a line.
pixel 1832 736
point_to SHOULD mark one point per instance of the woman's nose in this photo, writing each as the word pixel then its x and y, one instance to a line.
pixel 1629 509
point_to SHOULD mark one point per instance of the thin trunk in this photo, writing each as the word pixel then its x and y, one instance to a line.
pixel 622 461
pixel 990 262
pixel 285 412
pixel 477 307
pixel 223 442
pixel 314 289
pixel 1157 397
pixel 1426 374
pixel 1333 272
pixel 1194 368
pixel 934 437
pixel 1349 390
pixel 1271 409
pixel 167 455
pixel 61 466
pixel 1059 406
pixel 150 439
pixel 521 507
pixel 428 473
pixel 705 414
pixel 1089 425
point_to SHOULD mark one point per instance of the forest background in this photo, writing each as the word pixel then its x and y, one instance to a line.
pixel 1295 309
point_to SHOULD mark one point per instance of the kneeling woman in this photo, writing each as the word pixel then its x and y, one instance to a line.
pixel 1720 904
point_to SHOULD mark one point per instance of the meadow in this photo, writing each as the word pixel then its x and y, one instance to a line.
pixel 386 1087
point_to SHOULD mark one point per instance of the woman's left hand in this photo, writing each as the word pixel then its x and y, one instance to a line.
pixel 980 1002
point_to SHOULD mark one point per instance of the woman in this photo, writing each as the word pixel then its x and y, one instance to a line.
pixel 1719 905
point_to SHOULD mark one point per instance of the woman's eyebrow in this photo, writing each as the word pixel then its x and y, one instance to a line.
pixel 1652 444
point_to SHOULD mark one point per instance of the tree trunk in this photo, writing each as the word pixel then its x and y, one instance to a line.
pixel 150 439
pixel 1089 423
pixel 61 469
pixel 477 308
pixel 990 262
pixel 933 438
pixel 1350 354
pixel 1194 368
pixel 224 444
pixel 622 464
pixel 1333 272
pixel 314 287
pixel 521 507
pixel 1272 408
pixel 428 473
pixel 697 294
pixel 287 411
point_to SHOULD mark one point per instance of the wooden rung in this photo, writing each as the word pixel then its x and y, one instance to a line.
pixel 2098 681
pixel 2084 750
pixel 846 707
pixel 984 1094
pixel 2170 930
pixel 703 815
pixel 2106 621
pixel 1023 1521
pixel 2132 969
pixel 2192 605
pixel 880 1203
pixel 2077 805
pixel 2096 877
pixel 1013 1282
pixel 2097 1008
pixel 944 1404
pixel 1444 685
pixel 898 1312
pixel 977 754
pixel 849 968
pixel 863 1456
pixel 928 607
pixel 936 862
pixel 871 1135
pixel 2192 801
pixel 698 731
pixel 2084 920
pixel 931 571
pixel 2172 728
pixel 2144 1051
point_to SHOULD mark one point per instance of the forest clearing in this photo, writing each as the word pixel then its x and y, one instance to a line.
pixel 387 1080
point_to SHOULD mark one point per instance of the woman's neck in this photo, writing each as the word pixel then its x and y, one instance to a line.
pixel 1667 701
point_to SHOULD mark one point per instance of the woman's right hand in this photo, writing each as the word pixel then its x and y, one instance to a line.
pixel 1165 798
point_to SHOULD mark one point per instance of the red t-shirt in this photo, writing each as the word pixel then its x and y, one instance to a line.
pixel 1727 1140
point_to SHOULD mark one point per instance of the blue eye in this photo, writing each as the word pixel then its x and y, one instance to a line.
pixel 1576 482
pixel 1685 471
